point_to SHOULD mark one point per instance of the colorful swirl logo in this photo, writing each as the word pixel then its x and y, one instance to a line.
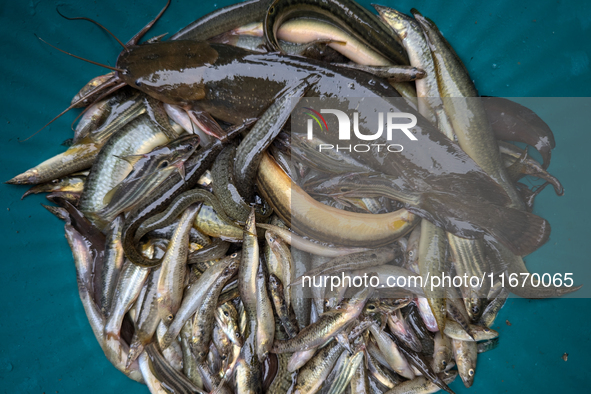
pixel 317 117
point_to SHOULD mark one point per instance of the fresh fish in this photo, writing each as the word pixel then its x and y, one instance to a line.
pixel 91 119
pixel 390 350
pixel 433 262
pixel 286 267
pixel 422 385
pixel 247 373
pixel 265 318
pixel 465 354
pixel 174 268
pixel 306 245
pixel 461 102
pixel 72 184
pixel 149 170
pixel 131 282
pixel 202 323
pixel 402 330
pixel 442 356
pixel 116 351
pixel 328 325
pixel 281 309
pixel 302 298
pixel 478 333
pixel 347 371
pixel 492 309
pixel 112 265
pixel 226 190
pixel 170 378
pixel 194 295
pixel 139 136
pixel 226 316
pixel 89 87
pixel 368 259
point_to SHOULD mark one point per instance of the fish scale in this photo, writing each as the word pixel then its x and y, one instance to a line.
pixel 139 136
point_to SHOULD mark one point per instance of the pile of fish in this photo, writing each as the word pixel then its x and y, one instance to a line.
pixel 195 212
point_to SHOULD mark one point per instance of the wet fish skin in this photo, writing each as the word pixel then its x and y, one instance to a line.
pixel 360 381
pixel 433 261
pixel 401 329
pixel 347 371
pixel 113 262
pixel 492 309
pixel 202 323
pixel 173 379
pixel 131 282
pixel 390 350
pixel 420 362
pixel 174 268
pixel 381 375
pixel 312 375
pixel 421 385
pixel 282 256
pixel 139 136
pixel 478 333
pixel 265 317
pixel 443 352
pixel 281 309
pixel 354 261
pixel 328 325
pixel 302 298
pixel 72 184
pixel 465 354
pixel 147 321
pixel 468 116
pixel 226 316
pixel 194 294
pixel 149 171
pixel 306 245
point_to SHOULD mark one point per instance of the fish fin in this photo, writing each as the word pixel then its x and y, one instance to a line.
pixel 181 170
pixel 109 196
pixel 522 232
pixel 206 123
pixel 131 159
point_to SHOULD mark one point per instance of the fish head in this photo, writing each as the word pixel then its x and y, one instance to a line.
pixel 170 71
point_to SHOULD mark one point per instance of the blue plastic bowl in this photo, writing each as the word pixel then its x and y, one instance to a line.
pixel 512 49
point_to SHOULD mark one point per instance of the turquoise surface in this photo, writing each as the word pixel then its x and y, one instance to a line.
pixel 512 49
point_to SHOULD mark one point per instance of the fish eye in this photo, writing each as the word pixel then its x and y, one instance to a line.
pixel 471 372
pixel 223 357
pixel 444 363
pixel 411 253
pixel 234 255
pixel 237 335
pixel 226 313
pixel 475 309
pixel 164 164
pixel 169 317
pixel 138 83
pixel 371 307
